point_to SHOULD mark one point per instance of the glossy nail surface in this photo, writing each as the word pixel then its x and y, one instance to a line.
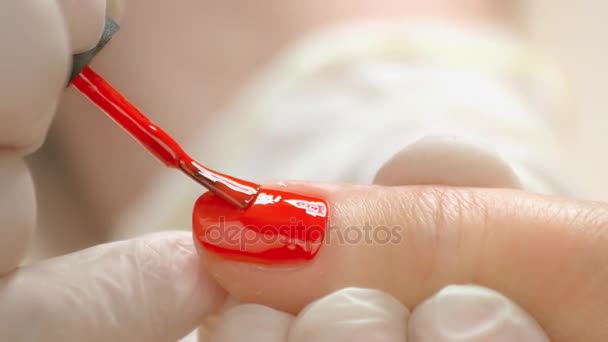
pixel 277 227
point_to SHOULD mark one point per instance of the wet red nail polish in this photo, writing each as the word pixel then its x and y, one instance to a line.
pixel 277 227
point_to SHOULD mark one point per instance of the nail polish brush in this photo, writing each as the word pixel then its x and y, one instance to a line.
pixel 233 190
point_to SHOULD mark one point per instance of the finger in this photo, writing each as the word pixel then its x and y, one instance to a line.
pixel 351 315
pixel 252 322
pixel 447 161
pixel 211 321
pixel 34 70
pixel 17 211
pixel 413 241
pixel 472 314
pixel 85 20
pixel 147 289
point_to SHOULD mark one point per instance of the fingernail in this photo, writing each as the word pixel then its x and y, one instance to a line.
pixel 472 313
pixel 278 227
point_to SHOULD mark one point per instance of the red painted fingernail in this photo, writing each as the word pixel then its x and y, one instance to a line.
pixel 277 227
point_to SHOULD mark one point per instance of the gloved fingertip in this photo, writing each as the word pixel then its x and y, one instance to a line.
pixel 351 314
pixel 448 160
pixel 251 322
pixel 85 21
pixel 472 314
pixel 35 62
pixel 18 212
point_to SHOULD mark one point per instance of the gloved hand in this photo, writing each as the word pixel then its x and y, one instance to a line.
pixel 147 289
pixel 456 313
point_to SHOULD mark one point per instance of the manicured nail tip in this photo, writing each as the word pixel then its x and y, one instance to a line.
pixel 277 227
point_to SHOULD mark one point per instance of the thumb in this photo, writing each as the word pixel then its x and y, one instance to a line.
pixel 546 254
pixel 146 289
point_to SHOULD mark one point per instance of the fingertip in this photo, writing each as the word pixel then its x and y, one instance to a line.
pixel 252 322
pixel 17 212
pixel 178 259
pixel 85 22
pixel 34 68
pixel 446 160
pixel 282 279
pixel 472 314
pixel 153 286
pixel 175 288
pixel 351 314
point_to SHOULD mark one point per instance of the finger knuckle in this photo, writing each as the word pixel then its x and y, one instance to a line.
pixel 448 208
pixel 443 218
pixel 594 216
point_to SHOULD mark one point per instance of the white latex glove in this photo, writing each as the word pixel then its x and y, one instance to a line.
pixel 456 313
pixel 147 289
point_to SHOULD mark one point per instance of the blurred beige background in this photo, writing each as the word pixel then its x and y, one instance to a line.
pixel 575 33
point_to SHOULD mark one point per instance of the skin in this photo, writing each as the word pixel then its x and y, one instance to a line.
pixel 511 241
pixel 505 239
